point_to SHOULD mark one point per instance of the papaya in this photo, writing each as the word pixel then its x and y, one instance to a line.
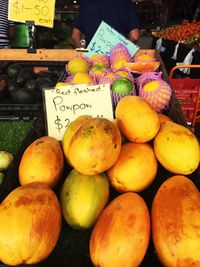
pixel 163 117
pixel 177 148
pixel 121 234
pixel 30 225
pixel 142 67
pixel 69 132
pixel 175 217
pixel 95 146
pixel 137 121
pixel 42 161
pixel 135 169
pixel 83 198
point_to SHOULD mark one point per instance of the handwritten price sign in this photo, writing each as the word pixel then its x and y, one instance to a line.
pixel 39 11
pixel 105 38
pixel 65 104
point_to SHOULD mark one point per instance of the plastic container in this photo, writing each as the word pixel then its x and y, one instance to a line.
pixel 186 90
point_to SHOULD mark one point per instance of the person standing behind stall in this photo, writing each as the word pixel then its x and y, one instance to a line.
pixel 119 14
pixel 6 26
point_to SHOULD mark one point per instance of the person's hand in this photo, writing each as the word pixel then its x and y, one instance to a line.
pixel 134 35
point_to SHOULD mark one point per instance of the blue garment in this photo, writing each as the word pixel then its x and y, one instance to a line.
pixel 119 14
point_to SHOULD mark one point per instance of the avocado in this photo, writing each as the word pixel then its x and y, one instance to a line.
pixel 43 83
pixel 13 70
pixel 12 87
pixel 49 74
pixel 24 96
pixel 30 84
pixel 24 75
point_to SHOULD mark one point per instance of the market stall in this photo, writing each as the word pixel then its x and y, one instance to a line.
pixel 88 184
pixel 179 44
pixel 72 246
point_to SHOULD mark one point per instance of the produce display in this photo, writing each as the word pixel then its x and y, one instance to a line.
pixel 119 70
pixel 120 220
pixel 187 32
pixel 23 83
pixel 112 191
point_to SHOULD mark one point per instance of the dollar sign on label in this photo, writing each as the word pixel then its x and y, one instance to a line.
pixel 59 125
pixel 16 7
pixel 93 46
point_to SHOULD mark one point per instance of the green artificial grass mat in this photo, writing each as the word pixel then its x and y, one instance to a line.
pixel 12 134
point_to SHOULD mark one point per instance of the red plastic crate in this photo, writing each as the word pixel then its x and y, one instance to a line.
pixel 186 92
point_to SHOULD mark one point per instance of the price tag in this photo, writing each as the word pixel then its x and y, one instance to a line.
pixel 105 38
pixel 40 11
pixel 65 104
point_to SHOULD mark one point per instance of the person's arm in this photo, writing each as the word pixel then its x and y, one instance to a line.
pixel 133 22
pixel 11 30
pixel 76 37
pixel 134 35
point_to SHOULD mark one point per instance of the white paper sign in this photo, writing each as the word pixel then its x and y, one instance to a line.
pixel 65 104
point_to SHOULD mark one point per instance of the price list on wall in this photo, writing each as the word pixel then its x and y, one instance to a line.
pixel 39 11
pixel 66 103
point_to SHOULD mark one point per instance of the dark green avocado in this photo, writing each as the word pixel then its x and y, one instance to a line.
pixel 48 74
pixel 30 84
pixel 44 83
pixel 24 75
pixel 12 87
pixel 13 70
pixel 3 89
pixel 24 96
